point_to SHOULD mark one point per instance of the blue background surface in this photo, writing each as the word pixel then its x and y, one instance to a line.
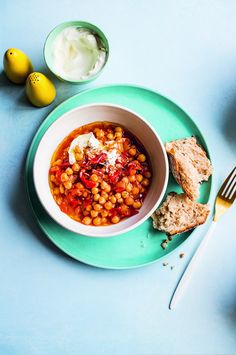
pixel 51 304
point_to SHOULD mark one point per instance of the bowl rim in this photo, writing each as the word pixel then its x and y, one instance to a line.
pixel 81 24
pixel 128 228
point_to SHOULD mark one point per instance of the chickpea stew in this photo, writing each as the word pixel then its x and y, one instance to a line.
pixel 100 174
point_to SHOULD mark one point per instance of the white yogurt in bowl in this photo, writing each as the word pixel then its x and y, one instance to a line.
pixel 77 54
pixel 76 51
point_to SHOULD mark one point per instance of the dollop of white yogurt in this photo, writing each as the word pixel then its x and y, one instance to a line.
pixel 77 54
pixel 112 156
pixel 82 141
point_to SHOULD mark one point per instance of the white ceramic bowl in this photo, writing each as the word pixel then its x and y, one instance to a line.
pixel 87 114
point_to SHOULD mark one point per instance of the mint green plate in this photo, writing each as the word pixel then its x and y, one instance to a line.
pixel 142 245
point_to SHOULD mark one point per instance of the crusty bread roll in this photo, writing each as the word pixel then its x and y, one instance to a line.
pixel 178 214
pixel 189 165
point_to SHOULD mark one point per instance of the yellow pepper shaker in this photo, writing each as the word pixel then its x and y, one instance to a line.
pixel 17 65
pixel 40 90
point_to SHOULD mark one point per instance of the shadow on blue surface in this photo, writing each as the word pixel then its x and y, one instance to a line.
pixel 229 124
pixel 231 314
pixel 20 207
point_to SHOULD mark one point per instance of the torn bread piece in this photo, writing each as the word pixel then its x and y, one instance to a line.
pixel 189 165
pixel 179 214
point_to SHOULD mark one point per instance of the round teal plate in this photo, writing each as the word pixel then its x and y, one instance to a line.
pixel 142 245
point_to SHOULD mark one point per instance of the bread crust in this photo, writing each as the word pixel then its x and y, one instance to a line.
pixel 181 178
pixel 190 226
pixel 189 164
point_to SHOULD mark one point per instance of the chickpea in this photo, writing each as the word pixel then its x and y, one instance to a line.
pixel 87 220
pixel 62 190
pixel 107 188
pixel 139 177
pixel 129 187
pixel 145 182
pixel 75 167
pixel 100 133
pixel 137 204
pixel 77 149
pixel 102 200
pixel 108 205
pixel 104 194
pixel 129 201
pixel 126 144
pixel 113 199
pixel 104 220
pixel 132 152
pixel 147 174
pixel 97 221
pixel 115 219
pixel 64 177
pixel 124 209
pixel 57 162
pixel 110 136
pixel 132 178
pixel 94 213
pixel 94 190
pixel 52 178
pixel 96 197
pixel 59 200
pixel 124 194
pixel 142 189
pixel 97 207
pixel 72 178
pixel 141 158
pixel 121 184
pixel 89 208
pixel 135 190
pixel 85 193
pixel 79 186
pixel 120 200
pixel 104 213
pixel 125 180
pixel 79 156
pixel 103 185
pixel 118 135
pixel 69 171
pixel 56 191
pixel 118 195
pixel 94 177
pixel 68 185
pixel 118 129
pixel 132 172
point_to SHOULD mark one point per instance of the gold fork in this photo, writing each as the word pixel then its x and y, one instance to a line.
pixel 224 200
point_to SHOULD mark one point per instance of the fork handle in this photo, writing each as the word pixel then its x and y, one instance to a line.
pixel 190 267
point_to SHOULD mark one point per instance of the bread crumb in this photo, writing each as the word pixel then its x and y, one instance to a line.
pixel 164 244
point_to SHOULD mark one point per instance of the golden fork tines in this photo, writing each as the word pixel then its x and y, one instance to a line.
pixel 226 195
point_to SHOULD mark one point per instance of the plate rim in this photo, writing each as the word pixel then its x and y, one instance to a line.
pixel 31 147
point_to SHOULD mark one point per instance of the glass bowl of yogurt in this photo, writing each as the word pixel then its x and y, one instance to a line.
pixel 76 51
